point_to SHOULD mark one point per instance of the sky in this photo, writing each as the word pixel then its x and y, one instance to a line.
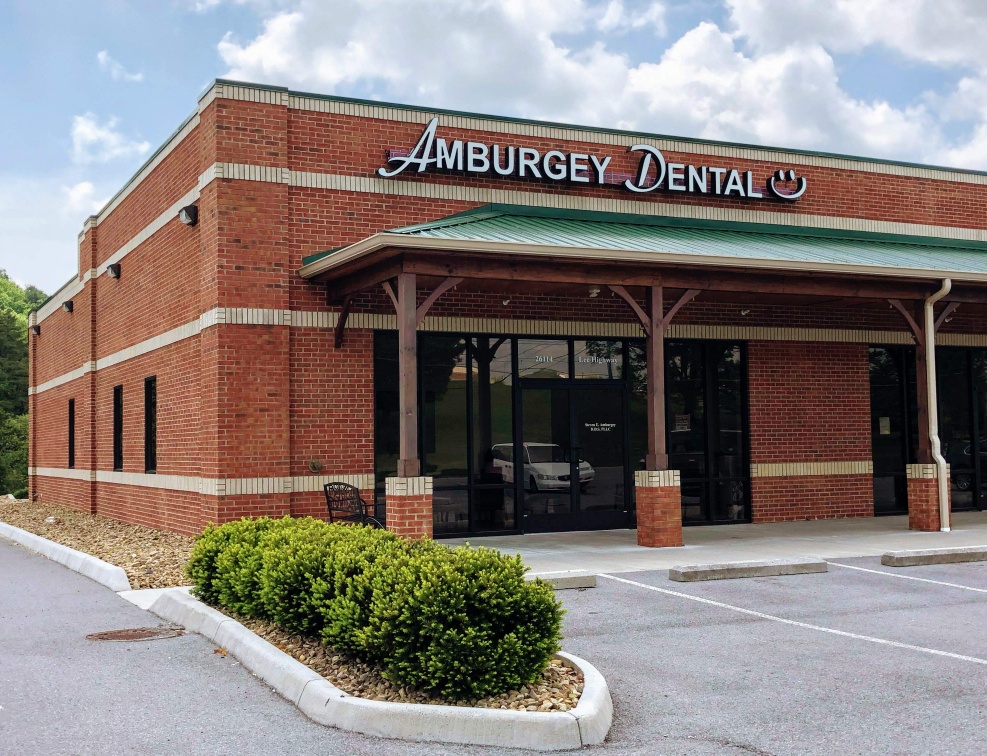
pixel 91 88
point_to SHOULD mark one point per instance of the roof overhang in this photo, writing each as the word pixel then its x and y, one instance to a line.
pixel 348 259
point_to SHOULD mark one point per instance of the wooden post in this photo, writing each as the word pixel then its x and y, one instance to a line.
pixel 657 458
pixel 409 465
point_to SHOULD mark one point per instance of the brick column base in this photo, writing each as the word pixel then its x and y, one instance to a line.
pixel 409 506
pixel 923 498
pixel 659 508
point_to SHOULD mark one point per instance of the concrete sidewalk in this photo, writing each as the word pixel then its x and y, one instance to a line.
pixel 617 550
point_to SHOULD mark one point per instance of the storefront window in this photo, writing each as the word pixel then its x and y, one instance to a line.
pixel 599 358
pixel 542 358
pixel 444 379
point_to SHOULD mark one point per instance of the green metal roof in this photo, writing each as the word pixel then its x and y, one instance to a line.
pixel 785 245
pixel 690 237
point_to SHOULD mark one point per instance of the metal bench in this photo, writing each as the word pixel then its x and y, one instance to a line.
pixel 346 505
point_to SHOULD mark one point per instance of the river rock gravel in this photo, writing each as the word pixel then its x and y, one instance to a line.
pixel 151 558
pixel 558 689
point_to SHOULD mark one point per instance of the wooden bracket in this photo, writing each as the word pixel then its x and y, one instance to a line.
pixel 916 331
pixel 638 310
pixel 441 289
pixel 389 288
pixel 683 301
pixel 645 319
pixel 341 323
pixel 950 308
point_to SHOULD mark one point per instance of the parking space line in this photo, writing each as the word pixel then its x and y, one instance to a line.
pixel 796 623
pixel 909 577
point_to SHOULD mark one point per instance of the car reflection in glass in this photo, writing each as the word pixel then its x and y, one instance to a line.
pixel 546 467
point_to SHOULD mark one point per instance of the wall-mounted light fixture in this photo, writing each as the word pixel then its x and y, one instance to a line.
pixel 113 270
pixel 506 302
pixel 189 215
pixel 745 312
pixel 68 306
pixel 36 330
pixel 594 292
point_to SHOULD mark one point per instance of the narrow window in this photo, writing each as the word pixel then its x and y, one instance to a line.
pixel 71 433
pixel 118 428
pixel 151 424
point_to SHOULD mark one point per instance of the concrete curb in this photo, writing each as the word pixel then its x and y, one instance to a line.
pixel 562 580
pixel 731 570
pixel 326 704
pixel 113 577
pixel 919 557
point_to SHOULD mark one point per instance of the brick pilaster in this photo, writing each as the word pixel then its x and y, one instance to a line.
pixel 409 506
pixel 659 508
pixel 923 498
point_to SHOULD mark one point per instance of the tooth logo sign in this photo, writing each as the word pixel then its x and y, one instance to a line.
pixel 786 176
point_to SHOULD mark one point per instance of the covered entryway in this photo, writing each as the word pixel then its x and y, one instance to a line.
pixel 655 266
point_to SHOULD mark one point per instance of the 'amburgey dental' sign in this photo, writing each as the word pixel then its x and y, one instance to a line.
pixel 433 153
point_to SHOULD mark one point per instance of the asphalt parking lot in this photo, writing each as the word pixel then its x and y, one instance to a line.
pixel 862 659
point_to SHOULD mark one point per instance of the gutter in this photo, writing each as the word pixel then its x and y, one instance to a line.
pixel 930 372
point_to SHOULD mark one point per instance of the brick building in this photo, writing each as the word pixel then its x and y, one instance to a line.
pixel 463 314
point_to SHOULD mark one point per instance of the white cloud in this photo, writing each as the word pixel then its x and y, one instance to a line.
pixel 42 218
pixel 769 77
pixel 81 198
pixel 115 69
pixel 617 18
pixel 95 142
pixel 943 32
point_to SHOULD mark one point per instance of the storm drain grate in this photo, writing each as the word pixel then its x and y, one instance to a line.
pixel 137 634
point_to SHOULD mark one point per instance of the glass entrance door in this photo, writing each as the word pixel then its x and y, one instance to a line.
pixel 573 456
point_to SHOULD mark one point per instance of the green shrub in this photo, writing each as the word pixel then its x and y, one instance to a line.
pixel 344 599
pixel 293 573
pixel 461 623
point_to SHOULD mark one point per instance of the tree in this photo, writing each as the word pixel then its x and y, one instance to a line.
pixel 15 304
pixel 13 363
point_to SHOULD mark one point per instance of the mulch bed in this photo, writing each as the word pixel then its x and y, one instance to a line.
pixel 151 558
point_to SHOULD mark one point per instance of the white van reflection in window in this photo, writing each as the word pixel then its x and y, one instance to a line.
pixel 546 467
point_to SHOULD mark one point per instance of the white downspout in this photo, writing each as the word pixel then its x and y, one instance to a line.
pixel 930 372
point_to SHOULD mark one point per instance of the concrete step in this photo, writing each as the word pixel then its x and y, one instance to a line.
pixel 934 556
pixel 732 570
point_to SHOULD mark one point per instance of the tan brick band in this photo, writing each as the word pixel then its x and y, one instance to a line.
pixel 209 486
pixel 801 469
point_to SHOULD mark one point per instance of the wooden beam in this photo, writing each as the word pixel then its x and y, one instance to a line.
pixel 657 456
pixel 439 290
pixel 360 280
pixel 732 280
pixel 409 465
pixel 641 314
pixel 950 308
pixel 341 323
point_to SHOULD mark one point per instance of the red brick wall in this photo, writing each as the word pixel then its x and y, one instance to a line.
pixel 809 402
pixel 812 497
pixel 262 401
